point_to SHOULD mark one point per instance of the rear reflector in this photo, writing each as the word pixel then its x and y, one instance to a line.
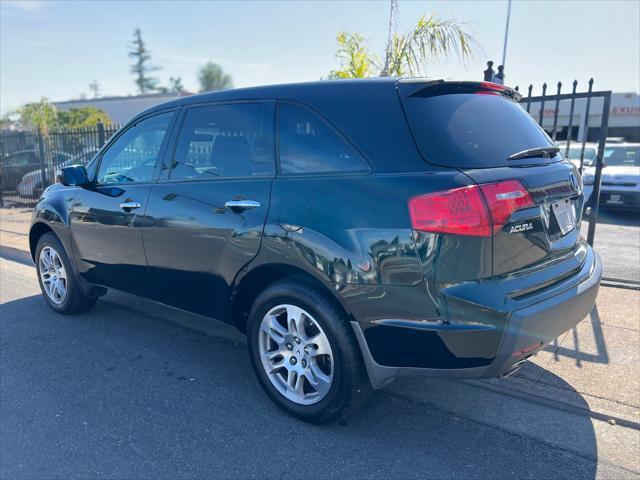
pixel 477 210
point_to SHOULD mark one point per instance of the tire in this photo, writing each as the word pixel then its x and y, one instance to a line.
pixel 73 300
pixel 343 366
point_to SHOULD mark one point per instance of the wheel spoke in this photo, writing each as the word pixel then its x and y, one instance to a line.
pixel 295 320
pixel 274 330
pixel 320 345
pixel 318 379
pixel 275 366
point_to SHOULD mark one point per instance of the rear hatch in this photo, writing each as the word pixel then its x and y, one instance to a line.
pixel 533 198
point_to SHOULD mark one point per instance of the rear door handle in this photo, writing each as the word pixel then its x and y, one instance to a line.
pixel 127 206
pixel 239 205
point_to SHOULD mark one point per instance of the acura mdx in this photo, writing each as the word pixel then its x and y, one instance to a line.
pixel 355 230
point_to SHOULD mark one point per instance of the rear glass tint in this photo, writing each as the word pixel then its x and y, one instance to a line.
pixel 470 130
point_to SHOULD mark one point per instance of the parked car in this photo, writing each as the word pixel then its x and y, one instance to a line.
pixel 31 184
pixel 16 165
pixel 355 230
pixel 620 182
pixel 575 152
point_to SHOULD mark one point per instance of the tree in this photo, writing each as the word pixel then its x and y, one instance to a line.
pixel 406 54
pixel 41 115
pixel 94 86
pixel 82 117
pixel 175 86
pixel 141 67
pixel 356 59
pixel 212 77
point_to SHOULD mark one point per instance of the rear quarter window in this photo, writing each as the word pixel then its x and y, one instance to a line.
pixel 309 145
pixel 470 130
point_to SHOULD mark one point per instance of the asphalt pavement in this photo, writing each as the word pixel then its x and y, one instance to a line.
pixel 131 389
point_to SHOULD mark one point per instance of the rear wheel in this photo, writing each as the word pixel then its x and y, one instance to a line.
pixel 57 281
pixel 304 353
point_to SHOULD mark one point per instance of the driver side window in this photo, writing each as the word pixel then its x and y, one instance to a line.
pixel 132 157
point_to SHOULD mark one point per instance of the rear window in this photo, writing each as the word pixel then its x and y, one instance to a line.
pixel 470 130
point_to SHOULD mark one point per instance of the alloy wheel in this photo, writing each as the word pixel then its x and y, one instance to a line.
pixel 53 275
pixel 296 354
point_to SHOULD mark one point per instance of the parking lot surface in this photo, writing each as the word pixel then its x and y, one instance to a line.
pixel 135 390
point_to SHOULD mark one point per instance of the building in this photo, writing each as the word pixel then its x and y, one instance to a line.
pixel 121 109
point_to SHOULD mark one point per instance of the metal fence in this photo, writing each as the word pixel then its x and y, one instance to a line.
pixel 28 160
pixel 566 130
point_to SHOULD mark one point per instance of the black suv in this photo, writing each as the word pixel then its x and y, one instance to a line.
pixel 356 231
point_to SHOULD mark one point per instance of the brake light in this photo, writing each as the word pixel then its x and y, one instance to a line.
pixel 504 198
pixel 496 87
pixel 460 211
pixel 475 210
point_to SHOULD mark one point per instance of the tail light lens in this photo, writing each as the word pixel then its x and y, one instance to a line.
pixel 478 210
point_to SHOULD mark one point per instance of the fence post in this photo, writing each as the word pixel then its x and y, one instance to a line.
pixel 2 160
pixel 101 135
pixel 41 157
pixel 595 195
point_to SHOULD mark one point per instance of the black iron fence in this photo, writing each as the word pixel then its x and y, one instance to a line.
pixel 570 130
pixel 28 160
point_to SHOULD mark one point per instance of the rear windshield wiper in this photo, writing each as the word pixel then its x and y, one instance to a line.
pixel 546 152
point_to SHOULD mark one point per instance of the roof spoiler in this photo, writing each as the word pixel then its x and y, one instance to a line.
pixel 418 87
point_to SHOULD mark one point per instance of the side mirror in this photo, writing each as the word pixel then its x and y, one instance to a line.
pixel 74 175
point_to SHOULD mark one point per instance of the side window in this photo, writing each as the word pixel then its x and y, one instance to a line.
pixel 309 145
pixel 223 141
pixel 132 157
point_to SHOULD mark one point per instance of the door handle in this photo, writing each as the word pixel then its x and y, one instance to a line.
pixel 239 205
pixel 130 205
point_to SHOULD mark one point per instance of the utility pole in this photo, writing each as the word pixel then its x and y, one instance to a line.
pixel 506 34
pixel 393 13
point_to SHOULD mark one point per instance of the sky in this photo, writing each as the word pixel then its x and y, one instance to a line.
pixel 54 49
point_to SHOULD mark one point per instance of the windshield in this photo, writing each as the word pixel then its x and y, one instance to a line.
pixel 622 156
pixel 469 130
pixel 589 154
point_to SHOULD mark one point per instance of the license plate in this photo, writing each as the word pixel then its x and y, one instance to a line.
pixel 565 216
pixel 615 199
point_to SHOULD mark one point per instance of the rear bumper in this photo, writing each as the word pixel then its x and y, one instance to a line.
pixel 493 342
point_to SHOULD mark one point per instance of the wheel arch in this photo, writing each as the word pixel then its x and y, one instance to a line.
pixel 36 231
pixel 252 282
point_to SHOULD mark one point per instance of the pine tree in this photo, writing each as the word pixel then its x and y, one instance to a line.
pixel 141 67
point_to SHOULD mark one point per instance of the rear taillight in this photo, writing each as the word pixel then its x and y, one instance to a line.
pixel 478 210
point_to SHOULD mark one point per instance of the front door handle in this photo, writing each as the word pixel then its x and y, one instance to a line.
pixel 130 205
pixel 239 205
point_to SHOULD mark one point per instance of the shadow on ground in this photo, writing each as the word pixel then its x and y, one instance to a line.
pixel 623 218
pixel 114 394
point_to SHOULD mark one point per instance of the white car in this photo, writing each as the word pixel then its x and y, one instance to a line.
pixel 620 183
pixel 575 150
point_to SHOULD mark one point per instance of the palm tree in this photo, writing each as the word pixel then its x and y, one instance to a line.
pixel 406 54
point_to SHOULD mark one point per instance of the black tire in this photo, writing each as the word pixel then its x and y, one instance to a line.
pixel 350 386
pixel 75 300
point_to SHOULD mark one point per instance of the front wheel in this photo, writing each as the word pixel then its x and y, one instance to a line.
pixel 304 352
pixel 57 281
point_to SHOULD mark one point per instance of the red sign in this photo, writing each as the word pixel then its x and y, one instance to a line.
pixel 625 110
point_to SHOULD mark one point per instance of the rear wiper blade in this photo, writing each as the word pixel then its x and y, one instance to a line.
pixel 547 152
